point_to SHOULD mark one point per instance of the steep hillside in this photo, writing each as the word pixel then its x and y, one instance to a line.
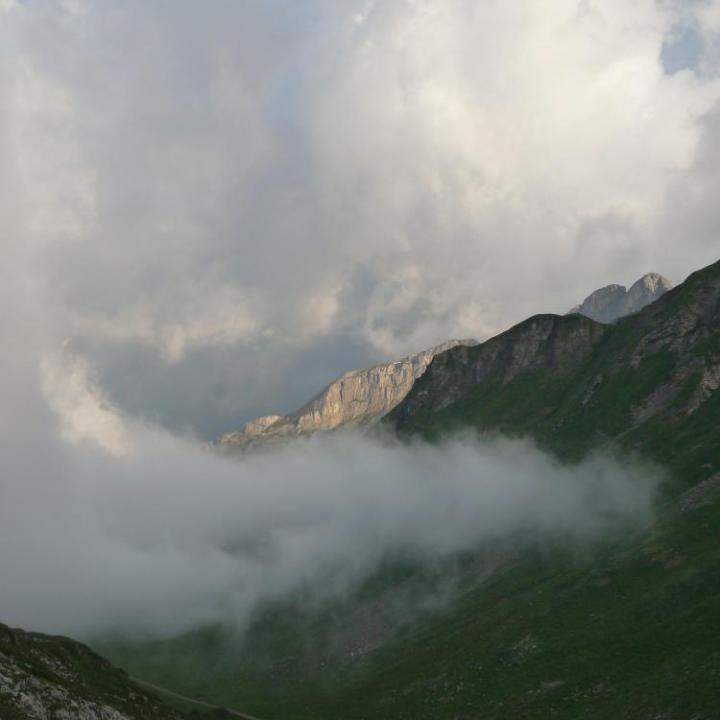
pixel 626 628
pixel 362 397
pixel 623 630
pixel 647 383
pixel 55 678
pixel 359 397
pixel 610 303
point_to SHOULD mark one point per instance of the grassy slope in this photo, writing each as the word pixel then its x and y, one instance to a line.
pixel 630 634
pixel 625 630
pixel 555 409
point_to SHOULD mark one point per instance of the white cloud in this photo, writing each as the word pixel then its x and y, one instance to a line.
pixel 709 16
pixel 201 178
pixel 215 318
pixel 320 311
pixel 169 537
pixel 84 413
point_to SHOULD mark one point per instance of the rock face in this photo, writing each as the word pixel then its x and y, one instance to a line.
pixel 612 302
pixel 359 397
pixel 544 343
pixel 54 678
pixel 250 430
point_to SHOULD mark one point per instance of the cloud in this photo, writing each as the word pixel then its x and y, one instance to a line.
pixel 163 536
pixel 209 210
pixel 84 412
pixel 110 524
pixel 227 184
pixel 213 317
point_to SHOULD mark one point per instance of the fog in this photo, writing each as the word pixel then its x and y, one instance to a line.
pixel 111 525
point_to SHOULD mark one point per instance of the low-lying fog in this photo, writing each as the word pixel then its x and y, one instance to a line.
pixel 109 524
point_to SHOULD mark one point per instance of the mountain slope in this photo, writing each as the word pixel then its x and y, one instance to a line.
pixel 647 383
pixel 624 629
pixel 362 397
pixel 359 397
pixel 612 302
pixel 54 678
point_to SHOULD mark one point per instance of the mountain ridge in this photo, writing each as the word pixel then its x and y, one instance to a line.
pixel 646 376
pixel 358 397
pixel 363 396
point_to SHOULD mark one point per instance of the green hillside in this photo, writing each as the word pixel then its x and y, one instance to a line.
pixel 647 384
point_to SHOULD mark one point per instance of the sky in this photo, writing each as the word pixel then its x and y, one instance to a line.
pixel 221 206
pixel 209 210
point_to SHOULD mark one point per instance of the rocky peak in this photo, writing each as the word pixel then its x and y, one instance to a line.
pixel 612 302
pixel 646 290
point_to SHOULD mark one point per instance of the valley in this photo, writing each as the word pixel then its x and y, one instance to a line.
pixel 623 628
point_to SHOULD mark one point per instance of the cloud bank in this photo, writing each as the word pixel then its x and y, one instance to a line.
pixel 111 525
pixel 243 200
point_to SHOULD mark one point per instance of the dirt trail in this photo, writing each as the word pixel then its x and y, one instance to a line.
pixel 187 699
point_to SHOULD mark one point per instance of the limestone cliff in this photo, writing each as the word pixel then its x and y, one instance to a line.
pixel 612 302
pixel 359 397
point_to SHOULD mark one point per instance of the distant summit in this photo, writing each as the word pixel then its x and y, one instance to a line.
pixel 612 302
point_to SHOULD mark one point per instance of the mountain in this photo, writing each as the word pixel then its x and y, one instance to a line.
pixel 359 397
pixel 626 628
pixel 55 678
pixel 646 383
pixel 612 302
pixel 363 397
